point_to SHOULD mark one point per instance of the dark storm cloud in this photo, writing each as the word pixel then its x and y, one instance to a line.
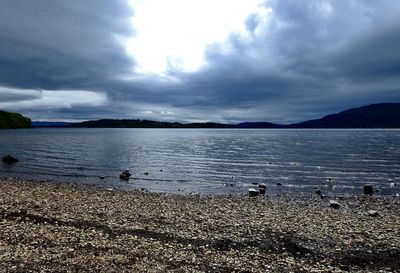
pixel 373 58
pixel 16 96
pixel 297 60
pixel 62 44
pixel 309 59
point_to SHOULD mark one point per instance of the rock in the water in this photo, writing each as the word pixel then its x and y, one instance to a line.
pixel 372 212
pixel 125 175
pixel 146 173
pixel 262 188
pixel 9 159
pixel 334 204
pixel 102 177
pixel 318 192
pixel 368 189
pixel 253 192
pixel 279 184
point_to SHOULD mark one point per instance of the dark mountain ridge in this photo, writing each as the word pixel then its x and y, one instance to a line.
pixel 382 115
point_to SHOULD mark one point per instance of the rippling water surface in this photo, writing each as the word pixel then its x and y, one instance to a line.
pixel 210 160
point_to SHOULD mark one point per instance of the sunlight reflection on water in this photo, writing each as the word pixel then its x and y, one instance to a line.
pixel 209 160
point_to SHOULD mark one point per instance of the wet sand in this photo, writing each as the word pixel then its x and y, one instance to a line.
pixel 48 227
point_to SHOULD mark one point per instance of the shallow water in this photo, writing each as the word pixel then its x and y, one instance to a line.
pixel 209 160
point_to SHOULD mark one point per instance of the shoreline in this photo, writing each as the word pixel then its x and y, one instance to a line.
pixel 54 227
pixel 273 190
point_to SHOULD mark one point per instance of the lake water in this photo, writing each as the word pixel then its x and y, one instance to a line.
pixel 218 161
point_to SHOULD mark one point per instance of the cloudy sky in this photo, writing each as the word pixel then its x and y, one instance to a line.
pixel 281 61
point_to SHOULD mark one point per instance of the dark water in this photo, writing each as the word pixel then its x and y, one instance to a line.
pixel 210 161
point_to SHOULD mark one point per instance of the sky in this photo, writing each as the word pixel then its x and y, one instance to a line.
pixel 281 61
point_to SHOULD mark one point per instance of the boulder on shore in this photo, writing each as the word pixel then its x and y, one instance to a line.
pixel 368 190
pixel 253 193
pixel 9 159
pixel 334 204
pixel 125 175
pixel 262 188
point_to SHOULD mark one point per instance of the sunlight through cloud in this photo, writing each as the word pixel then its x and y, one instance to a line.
pixel 174 34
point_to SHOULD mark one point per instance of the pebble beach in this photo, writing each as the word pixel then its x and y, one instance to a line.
pixel 49 227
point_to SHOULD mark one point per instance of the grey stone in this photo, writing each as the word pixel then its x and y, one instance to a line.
pixel 253 192
pixel 9 159
pixel 372 212
pixel 334 204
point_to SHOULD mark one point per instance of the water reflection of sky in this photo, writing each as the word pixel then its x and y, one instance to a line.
pixel 212 161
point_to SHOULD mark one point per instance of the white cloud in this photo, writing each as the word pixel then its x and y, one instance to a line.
pixel 49 99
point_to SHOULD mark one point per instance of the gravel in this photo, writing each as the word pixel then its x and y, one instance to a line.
pixel 48 227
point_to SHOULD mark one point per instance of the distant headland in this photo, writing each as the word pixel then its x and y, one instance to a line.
pixel 10 120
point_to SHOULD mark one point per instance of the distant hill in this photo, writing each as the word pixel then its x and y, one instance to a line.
pixel 137 123
pixel 13 121
pixel 258 125
pixel 51 123
pixel 383 115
